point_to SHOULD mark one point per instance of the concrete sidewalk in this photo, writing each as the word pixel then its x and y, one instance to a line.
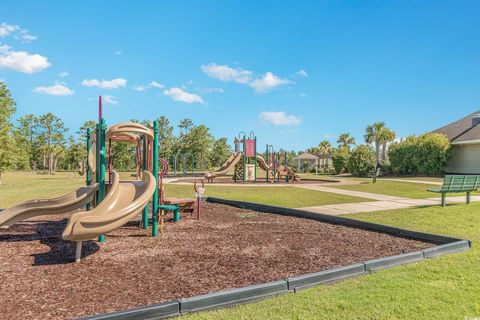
pixel 400 203
pixel 360 194
pixel 437 183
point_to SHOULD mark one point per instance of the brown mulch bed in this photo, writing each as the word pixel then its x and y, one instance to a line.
pixel 227 248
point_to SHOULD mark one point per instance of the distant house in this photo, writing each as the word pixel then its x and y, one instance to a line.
pixel 464 135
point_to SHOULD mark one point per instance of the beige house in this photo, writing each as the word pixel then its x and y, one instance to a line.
pixel 464 135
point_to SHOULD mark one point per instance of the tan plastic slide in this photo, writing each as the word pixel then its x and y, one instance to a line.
pixel 32 208
pixel 225 168
pixel 281 169
pixel 263 164
pixel 125 200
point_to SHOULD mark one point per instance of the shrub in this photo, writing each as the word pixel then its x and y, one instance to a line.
pixel 362 160
pixel 340 160
pixel 423 155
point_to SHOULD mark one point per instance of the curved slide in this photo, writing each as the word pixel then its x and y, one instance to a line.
pixel 225 168
pixel 263 164
pixel 125 200
pixel 281 169
pixel 32 208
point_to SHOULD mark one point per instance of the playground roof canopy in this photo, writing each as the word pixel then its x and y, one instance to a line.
pixel 306 156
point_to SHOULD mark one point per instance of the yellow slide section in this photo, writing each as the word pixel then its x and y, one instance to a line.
pixel 225 168
pixel 32 208
pixel 124 201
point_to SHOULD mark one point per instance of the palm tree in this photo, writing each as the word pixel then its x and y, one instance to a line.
pixel 379 135
pixel 388 136
pixel 325 147
pixel 345 140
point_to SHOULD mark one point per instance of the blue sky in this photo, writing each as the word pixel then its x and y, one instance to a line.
pixel 294 72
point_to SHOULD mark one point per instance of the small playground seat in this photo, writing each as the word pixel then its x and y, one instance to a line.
pixel 187 205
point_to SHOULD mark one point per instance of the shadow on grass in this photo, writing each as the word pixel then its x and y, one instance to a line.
pixel 49 234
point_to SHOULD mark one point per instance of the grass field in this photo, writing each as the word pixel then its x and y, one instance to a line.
pixel 395 188
pixel 444 288
pixel 18 187
pixel 289 197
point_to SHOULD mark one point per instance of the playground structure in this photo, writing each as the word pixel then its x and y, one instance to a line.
pixel 245 160
pixel 111 203
pixel 185 158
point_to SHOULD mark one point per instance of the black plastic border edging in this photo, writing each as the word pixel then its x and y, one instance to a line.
pixel 444 245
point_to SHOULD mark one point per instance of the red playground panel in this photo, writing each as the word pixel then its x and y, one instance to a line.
pixel 250 147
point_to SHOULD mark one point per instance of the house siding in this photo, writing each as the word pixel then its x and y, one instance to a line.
pixel 465 159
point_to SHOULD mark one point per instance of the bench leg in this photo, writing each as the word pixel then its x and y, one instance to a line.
pixel 468 197
pixel 444 200
pixel 176 214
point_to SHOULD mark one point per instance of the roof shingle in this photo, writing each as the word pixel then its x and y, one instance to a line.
pixel 462 130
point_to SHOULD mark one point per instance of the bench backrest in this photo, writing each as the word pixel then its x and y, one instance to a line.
pixel 461 182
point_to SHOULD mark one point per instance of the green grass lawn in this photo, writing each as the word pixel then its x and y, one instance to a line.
pixel 443 288
pixel 395 188
pixel 289 197
pixel 428 179
pixel 18 187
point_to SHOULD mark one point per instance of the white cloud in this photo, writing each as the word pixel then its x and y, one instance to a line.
pixel 19 33
pixel 6 29
pixel 63 74
pixel 27 37
pixel 178 94
pixel 140 88
pixel 109 100
pixel 303 95
pixel 268 82
pixel 118 52
pixel 213 90
pixel 105 84
pixel 302 73
pixel 155 84
pixel 22 61
pixel 279 118
pixel 55 90
pixel 226 73
pixel 4 48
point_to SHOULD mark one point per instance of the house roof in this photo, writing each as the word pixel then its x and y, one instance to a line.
pixel 463 130
pixel 306 156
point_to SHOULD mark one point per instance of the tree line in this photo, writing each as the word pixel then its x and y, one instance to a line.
pixel 426 154
pixel 42 143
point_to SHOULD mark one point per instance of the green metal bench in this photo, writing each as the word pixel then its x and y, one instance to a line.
pixel 457 184
pixel 375 174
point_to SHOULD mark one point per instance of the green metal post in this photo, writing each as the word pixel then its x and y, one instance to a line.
pixel 286 165
pixel 244 158
pixel 266 158
pixel 255 161
pixel 155 174
pixel 97 154
pixel 88 178
pixel 101 190
pixel 144 167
